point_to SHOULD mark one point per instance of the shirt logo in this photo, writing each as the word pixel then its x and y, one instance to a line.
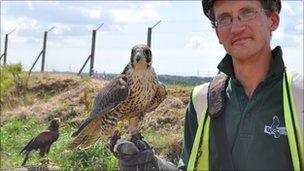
pixel 274 129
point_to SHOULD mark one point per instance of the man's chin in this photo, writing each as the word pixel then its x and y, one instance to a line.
pixel 241 52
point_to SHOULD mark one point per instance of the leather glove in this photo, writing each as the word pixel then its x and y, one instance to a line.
pixel 138 155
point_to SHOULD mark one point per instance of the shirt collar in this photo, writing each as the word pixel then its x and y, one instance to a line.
pixel 277 66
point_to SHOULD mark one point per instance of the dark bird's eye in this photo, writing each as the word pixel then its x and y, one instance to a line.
pixel 147 52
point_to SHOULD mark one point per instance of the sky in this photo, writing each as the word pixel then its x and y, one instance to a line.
pixel 183 43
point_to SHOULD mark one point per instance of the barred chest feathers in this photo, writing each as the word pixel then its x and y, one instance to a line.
pixel 142 88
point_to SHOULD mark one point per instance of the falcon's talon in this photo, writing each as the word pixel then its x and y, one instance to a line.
pixel 113 141
pixel 136 137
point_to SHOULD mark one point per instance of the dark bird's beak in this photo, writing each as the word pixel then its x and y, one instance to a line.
pixel 136 57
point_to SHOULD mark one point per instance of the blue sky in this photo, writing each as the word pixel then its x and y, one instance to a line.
pixel 182 44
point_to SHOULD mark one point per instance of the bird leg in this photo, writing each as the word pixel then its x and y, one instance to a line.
pixel 136 136
pixel 44 160
pixel 134 126
pixel 113 140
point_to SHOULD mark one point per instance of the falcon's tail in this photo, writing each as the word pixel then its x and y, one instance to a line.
pixel 83 125
pixel 88 133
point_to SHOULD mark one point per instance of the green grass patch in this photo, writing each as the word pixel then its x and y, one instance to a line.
pixel 159 140
pixel 16 134
pixel 188 87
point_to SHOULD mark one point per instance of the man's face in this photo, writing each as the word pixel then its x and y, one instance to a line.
pixel 243 39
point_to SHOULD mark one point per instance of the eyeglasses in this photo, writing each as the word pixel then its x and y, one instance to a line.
pixel 243 16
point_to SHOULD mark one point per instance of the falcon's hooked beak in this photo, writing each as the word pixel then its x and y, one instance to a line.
pixel 137 57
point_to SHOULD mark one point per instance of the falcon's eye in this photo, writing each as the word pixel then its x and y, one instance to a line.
pixel 147 52
pixel 132 52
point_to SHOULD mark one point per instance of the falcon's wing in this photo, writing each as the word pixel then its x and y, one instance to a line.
pixel 127 67
pixel 109 97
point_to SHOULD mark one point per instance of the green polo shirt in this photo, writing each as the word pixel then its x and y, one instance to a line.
pixel 255 126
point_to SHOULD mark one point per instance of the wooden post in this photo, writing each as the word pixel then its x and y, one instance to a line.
pixel 150 34
pixel 92 52
pixel 149 37
pixel 5 50
pixel 43 51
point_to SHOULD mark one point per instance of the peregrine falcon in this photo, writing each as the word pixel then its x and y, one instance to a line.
pixel 129 96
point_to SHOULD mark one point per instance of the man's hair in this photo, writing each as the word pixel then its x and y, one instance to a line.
pixel 268 5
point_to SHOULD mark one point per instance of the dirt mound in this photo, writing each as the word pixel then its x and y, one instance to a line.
pixel 54 96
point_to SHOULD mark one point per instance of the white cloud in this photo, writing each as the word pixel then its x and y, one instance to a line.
pixel 91 13
pixel 115 27
pixel 299 27
pixel 88 12
pixel 60 28
pixel 287 7
pixel 89 27
pixel 279 33
pixel 135 16
pixel 156 4
pixel 301 7
pixel 69 41
pixel 19 23
pixel 198 42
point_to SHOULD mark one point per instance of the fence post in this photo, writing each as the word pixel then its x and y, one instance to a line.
pixel 92 55
pixel 4 55
pixel 43 51
pixel 92 52
pixel 150 34
pixel 5 50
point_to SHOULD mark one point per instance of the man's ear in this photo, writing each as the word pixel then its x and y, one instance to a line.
pixel 275 21
pixel 218 36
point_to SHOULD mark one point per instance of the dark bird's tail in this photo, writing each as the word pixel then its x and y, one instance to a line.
pixel 25 158
pixel 26 148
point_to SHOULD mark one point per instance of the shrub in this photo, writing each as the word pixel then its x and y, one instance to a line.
pixel 11 76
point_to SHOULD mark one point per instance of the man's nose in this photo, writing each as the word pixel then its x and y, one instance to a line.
pixel 237 26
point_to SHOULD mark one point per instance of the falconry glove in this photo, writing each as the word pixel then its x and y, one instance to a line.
pixel 139 155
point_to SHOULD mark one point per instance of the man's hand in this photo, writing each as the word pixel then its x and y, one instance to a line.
pixel 137 154
pixel 134 155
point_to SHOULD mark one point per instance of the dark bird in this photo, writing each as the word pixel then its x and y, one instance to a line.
pixel 42 141
pixel 129 96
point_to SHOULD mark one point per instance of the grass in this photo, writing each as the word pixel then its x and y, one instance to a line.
pixel 15 135
pixel 187 87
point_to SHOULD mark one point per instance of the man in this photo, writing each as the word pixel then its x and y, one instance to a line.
pixel 263 114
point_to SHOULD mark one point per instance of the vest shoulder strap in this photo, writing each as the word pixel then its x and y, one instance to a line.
pixel 217 95
pixel 199 99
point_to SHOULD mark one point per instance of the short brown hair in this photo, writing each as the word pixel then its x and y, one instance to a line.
pixel 268 5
